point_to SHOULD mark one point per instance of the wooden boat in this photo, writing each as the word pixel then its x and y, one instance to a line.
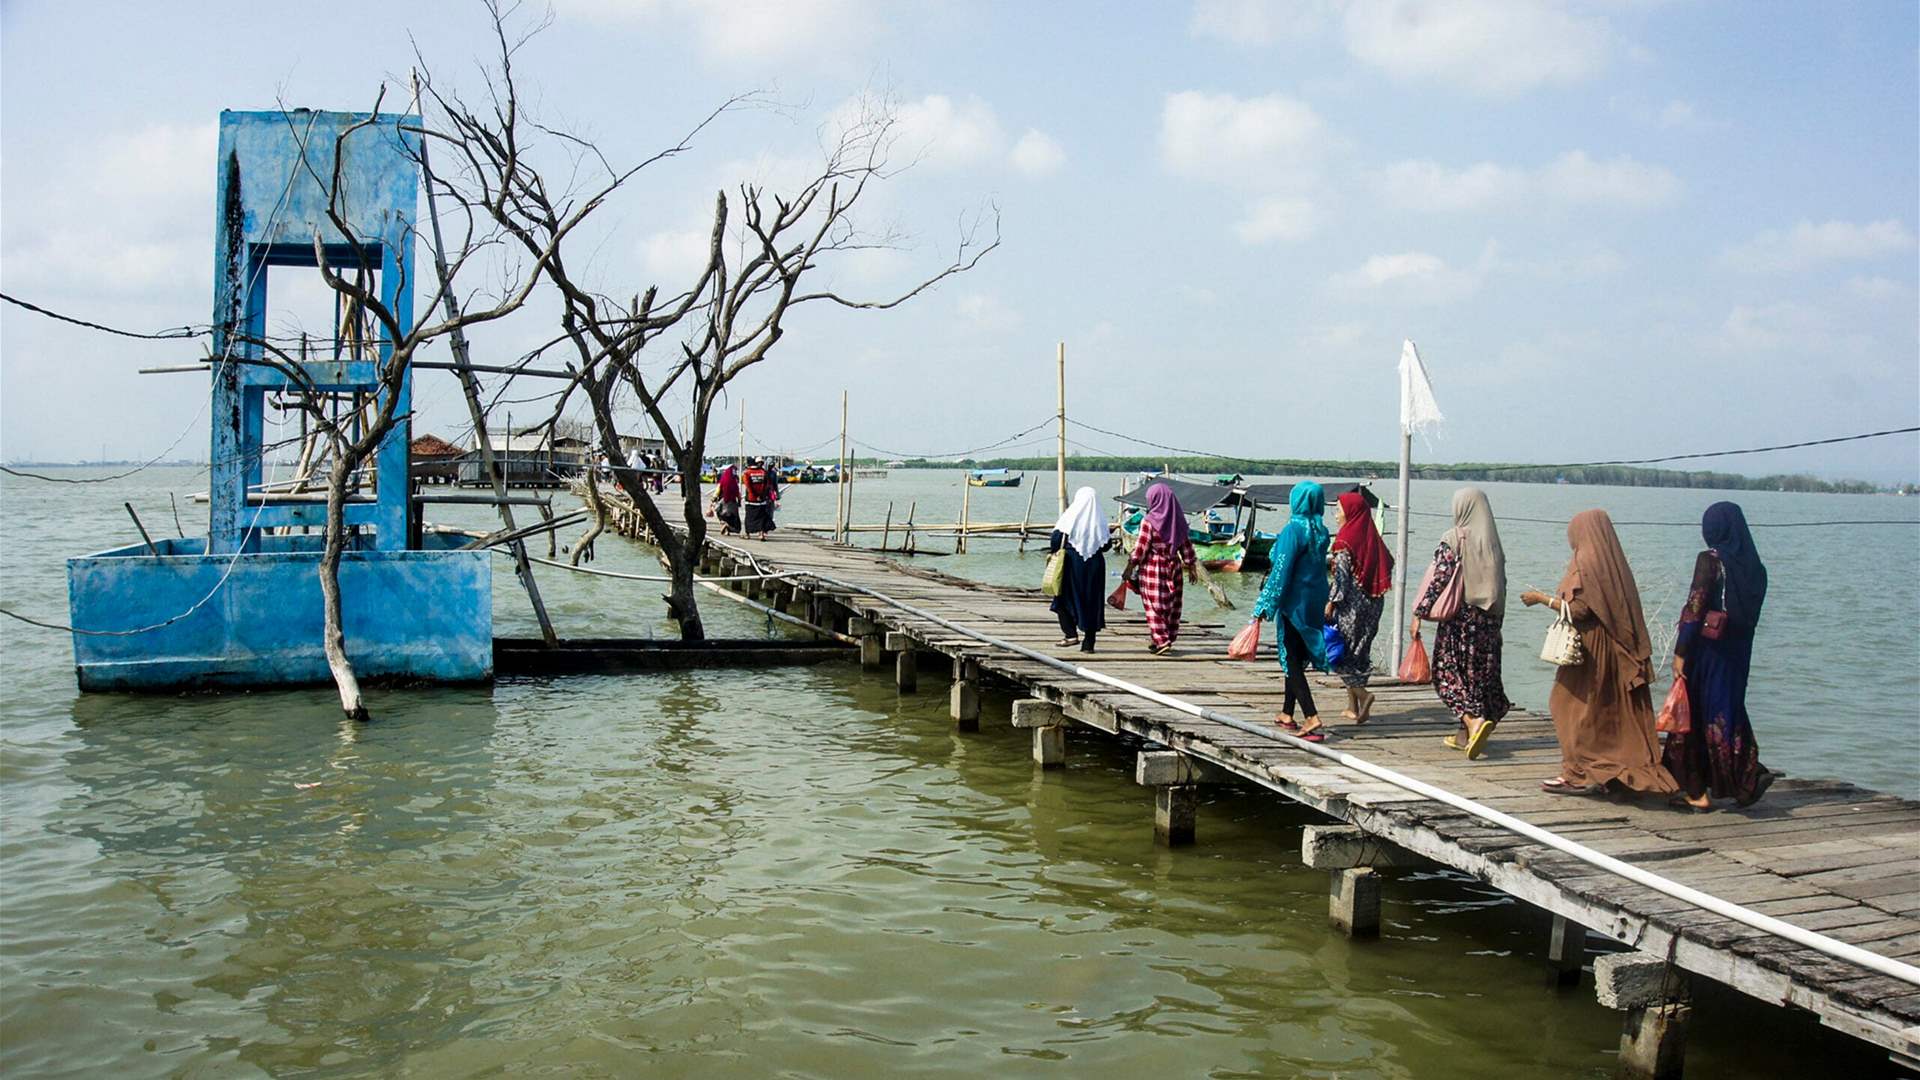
pixel 996 478
pixel 1226 539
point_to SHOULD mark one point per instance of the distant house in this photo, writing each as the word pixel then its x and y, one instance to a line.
pixel 434 460
pixel 633 446
pixel 526 459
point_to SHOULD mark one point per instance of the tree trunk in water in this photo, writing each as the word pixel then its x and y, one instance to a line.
pixel 334 638
pixel 680 566
pixel 599 508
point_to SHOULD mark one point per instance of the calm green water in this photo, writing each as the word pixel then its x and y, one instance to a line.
pixel 793 872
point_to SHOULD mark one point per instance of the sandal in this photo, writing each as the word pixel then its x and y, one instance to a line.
pixel 1286 724
pixel 1066 642
pixel 1453 742
pixel 1558 786
pixel 1477 742
pixel 1314 736
pixel 1161 650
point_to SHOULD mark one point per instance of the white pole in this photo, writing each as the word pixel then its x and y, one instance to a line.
pixel 840 499
pixel 1063 426
pixel 1400 559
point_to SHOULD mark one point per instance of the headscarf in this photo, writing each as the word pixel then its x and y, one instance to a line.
pixel 1169 521
pixel 1724 527
pixel 1084 524
pixel 1600 572
pixel 729 485
pixel 1372 562
pixel 1476 540
pixel 1307 503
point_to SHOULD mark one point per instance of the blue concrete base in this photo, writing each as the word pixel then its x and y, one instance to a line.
pixel 407 614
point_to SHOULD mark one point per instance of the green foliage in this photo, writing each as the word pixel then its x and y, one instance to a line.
pixel 1614 475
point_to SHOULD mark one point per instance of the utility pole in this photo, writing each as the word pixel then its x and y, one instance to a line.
pixel 841 501
pixel 1062 463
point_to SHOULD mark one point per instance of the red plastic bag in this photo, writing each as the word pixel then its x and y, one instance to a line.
pixel 1676 715
pixel 1414 667
pixel 1117 599
pixel 1245 643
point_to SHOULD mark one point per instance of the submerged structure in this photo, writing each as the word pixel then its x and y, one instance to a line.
pixel 242 606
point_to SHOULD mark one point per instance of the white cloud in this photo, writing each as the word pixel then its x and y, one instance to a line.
pixel 1337 336
pixel 1576 178
pixel 747 30
pixel 1807 244
pixel 1877 288
pixel 986 312
pixel 939 132
pixel 676 255
pixel 1413 275
pixel 1277 218
pixel 1258 22
pixel 1678 114
pixel 1492 47
pixel 1245 140
pixel 1573 177
pixel 1036 154
pixel 1427 185
pixel 1793 327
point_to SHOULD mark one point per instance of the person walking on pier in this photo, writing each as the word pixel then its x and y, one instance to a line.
pixel 1084 533
pixel 1603 706
pixel 1161 553
pixel 760 493
pixel 1362 574
pixel 1716 757
pixel 1466 646
pixel 726 500
pixel 1295 597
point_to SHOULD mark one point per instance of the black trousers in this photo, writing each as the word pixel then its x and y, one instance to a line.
pixel 1068 628
pixel 1297 688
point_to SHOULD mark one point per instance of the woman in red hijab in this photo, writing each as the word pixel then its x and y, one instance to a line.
pixel 1362 574
pixel 1161 552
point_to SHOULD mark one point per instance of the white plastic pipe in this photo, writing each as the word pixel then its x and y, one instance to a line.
pixel 1837 949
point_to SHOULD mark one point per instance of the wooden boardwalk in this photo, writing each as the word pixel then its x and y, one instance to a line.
pixel 1824 855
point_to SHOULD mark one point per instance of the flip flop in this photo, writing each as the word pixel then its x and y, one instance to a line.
pixel 1314 736
pixel 1285 725
pixel 1066 642
pixel 1453 742
pixel 1477 742
pixel 1557 786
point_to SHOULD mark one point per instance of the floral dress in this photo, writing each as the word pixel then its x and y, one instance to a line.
pixel 1466 649
pixel 1155 572
pixel 1357 616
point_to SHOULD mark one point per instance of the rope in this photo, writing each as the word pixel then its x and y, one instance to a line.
pixel 1840 950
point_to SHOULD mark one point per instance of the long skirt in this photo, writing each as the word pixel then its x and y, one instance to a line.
pixel 1083 592
pixel 1359 622
pixel 1162 592
pixel 759 517
pixel 1718 754
pixel 729 514
pixel 1466 665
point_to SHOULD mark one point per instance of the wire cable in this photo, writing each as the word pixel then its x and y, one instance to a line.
pixel 173 334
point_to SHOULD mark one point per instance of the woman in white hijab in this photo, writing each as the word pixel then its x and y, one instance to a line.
pixel 1085 534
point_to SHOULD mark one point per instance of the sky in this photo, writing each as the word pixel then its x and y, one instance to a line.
pixel 1614 228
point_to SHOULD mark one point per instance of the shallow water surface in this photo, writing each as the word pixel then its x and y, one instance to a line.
pixel 738 873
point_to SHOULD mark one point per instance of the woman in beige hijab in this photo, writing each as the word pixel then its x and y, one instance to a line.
pixel 1603 706
pixel 1466 647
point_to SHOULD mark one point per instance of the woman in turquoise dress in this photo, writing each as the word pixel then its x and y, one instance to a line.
pixel 1295 597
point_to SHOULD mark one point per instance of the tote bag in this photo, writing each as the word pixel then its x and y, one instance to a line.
pixel 1055 576
pixel 1447 604
pixel 1562 647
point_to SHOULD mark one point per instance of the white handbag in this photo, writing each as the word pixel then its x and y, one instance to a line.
pixel 1562 647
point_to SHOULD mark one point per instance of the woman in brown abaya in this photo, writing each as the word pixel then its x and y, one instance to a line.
pixel 1603 706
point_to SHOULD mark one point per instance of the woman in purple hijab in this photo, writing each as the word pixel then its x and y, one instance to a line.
pixel 1161 552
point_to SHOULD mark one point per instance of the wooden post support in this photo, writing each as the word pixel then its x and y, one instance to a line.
pixel 869 634
pixel 1175 779
pixel 1655 997
pixel 1566 952
pixel 1049 728
pixel 960 537
pixel 964 699
pixel 906 663
pixel 1344 847
pixel 1355 903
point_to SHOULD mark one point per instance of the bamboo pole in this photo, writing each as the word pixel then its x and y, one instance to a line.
pixel 887 530
pixel 906 543
pixel 966 498
pixel 840 499
pixel 1062 400
pixel 1032 490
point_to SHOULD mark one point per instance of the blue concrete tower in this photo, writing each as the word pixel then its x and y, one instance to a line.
pixel 242 607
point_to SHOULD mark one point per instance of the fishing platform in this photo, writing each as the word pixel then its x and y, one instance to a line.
pixel 1825 856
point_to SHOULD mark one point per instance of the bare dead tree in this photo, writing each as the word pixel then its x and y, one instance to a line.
pixel 689 346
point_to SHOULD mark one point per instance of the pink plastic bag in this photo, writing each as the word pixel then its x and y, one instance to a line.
pixel 1676 715
pixel 1414 667
pixel 1246 643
